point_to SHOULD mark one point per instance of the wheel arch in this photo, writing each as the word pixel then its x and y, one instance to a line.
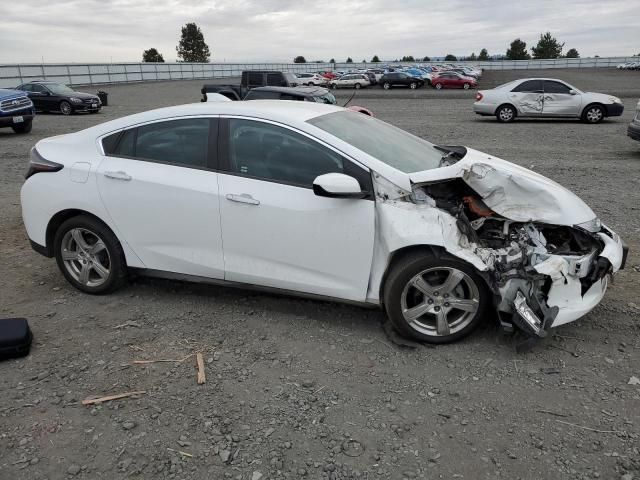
pixel 594 104
pixel 62 216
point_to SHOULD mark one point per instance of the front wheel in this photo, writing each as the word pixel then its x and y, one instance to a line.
pixel 357 86
pixel 386 85
pixel 593 114
pixel 435 299
pixel 466 86
pixel 333 86
pixel 413 85
pixel 65 108
pixel 438 86
pixel 22 127
pixel 89 255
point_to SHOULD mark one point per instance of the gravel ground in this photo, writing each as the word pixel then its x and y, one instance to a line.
pixel 303 389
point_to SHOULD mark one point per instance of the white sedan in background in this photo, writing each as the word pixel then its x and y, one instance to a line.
pixel 545 97
pixel 312 79
pixel 350 80
pixel 317 200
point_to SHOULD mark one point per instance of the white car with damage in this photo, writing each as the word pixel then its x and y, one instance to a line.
pixel 319 201
pixel 545 98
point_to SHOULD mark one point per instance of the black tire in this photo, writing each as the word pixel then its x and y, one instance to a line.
pixel 413 85
pixel 117 265
pixel 506 113
pixel 411 265
pixel 66 108
pixel 357 86
pixel 593 114
pixel 333 86
pixel 466 86
pixel 438 86
pixel 23 127
pixel 386 86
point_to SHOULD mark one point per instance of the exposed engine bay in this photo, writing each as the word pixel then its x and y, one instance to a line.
pixel 524 259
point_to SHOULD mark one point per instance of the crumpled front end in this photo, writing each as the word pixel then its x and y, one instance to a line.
pixel 542 275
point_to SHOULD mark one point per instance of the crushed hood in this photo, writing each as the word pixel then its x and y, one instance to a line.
pixel 512 191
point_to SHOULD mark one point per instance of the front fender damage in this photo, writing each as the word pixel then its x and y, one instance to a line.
pixel 541 274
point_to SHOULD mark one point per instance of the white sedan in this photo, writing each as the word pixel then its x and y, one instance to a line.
pixel 312 79
pixel 319 201
pixel 545 97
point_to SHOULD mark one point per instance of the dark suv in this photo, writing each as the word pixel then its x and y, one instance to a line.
pixel 400 79
pixel 56 97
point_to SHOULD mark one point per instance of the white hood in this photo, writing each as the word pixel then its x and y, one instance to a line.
pixel 512 191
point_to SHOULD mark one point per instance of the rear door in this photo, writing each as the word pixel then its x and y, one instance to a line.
pixel 559 102
pixel 276 231
pixel 528 97
pixel 158 183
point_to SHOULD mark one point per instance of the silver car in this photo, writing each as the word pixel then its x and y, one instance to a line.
pixel 350 80
pixel 545 97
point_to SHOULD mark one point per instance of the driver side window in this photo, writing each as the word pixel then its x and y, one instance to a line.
pixel 270 152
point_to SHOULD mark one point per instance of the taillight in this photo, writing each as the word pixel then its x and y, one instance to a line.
pixel 39 164
pixel 478 96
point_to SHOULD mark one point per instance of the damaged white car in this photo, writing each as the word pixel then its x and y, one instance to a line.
pixel 321 201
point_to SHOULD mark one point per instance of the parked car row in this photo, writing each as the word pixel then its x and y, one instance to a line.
pixel 629 66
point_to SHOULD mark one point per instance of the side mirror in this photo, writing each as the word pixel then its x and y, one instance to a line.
pixel 337 185
pixel 572 92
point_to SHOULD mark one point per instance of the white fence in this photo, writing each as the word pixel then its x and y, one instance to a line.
pixel 103 73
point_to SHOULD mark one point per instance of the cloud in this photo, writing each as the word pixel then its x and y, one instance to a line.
pixel 278 30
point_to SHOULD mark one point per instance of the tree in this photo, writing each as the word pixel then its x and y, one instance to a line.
pixel 518 50
pixel 572 53
pixel 375 59
pixel 450 58
pixel 152 55
pixel 192 47
pixel 483 56
pixel 548 47
pixel 333 60
pixel 349 60
pixel 472 57
pixel 299 59
pixel 426 59
pixel 407 58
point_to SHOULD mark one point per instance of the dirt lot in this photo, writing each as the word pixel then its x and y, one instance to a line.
pixel 302 389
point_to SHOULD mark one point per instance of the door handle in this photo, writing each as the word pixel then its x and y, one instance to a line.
pixel 242 198
pixel 119 175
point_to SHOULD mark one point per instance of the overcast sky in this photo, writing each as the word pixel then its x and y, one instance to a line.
pixel 278 30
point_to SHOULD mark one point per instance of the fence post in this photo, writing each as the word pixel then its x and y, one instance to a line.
pixel 89 73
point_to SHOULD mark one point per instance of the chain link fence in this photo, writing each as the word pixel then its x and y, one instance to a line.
pixel 12 75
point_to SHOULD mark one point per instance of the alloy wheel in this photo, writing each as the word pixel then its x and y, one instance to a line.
pixel 86 257
pixel 440 301
pixel 65 108
pixel 506 114
pixel 594 114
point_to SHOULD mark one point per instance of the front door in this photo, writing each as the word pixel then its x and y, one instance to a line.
pixel 528 97
pixel 559 102
pixel 276 231
pixel 158 184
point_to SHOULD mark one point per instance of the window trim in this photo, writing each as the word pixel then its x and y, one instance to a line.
pixel 529 80
pixel 211 154
pixel 363 175
pixel 544 86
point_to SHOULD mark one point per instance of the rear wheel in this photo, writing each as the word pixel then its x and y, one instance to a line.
pixel 386 85
pixel 413 85
pixel 23 127
pixel 436 299
pixel 357 86
pixel 466 86
pixel 593 114
pixel 333 86
pixel 89 255
pixel 506 113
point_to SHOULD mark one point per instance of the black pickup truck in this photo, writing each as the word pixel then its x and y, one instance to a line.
pixel 251 79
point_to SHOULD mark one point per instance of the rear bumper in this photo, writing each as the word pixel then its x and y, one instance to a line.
pixel 615 110
pixel 633 131
pixel 484 108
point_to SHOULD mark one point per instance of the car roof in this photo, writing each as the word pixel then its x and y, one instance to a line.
pixel 289 113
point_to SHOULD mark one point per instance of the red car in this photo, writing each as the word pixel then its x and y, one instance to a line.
pixel 453 80
pixel 327 74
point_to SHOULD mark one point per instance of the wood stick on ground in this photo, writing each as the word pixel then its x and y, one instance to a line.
pixel 108 398
pixel 590 429
pixel 200 362
pixel 169 360
pixel 180 452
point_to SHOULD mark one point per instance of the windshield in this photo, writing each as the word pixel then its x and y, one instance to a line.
pixel 58 88
pixel 326 98
pixel 389 144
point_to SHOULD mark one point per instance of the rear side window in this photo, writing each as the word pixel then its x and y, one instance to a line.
pixel 254 79
pixel 182 142
pixel 274 79
pixel 530 86
pixel 555 87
